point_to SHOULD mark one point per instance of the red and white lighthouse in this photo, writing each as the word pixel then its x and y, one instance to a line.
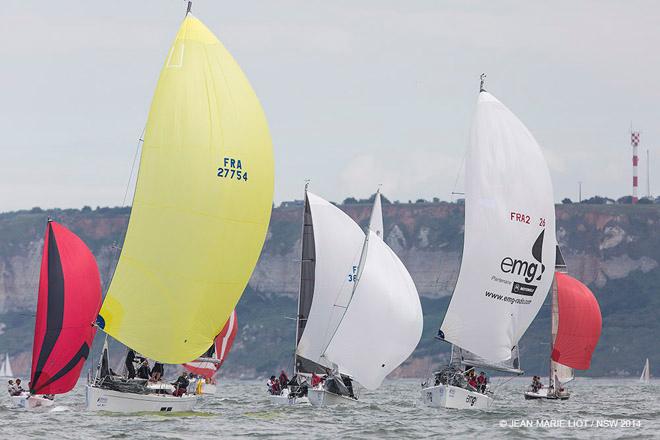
pixel 634 141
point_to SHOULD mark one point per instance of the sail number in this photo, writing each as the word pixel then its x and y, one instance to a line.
pixel 232 169
pixel 352 277
pixel 524 218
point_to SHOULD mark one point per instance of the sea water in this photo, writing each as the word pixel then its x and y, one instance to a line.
pixel 598 408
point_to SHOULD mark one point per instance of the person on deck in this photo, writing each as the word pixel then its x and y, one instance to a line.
pixel 157 372
pixel 349 384
pixel 277 387
pixel 482 380
pixel 270 384
pixel 180 385
pixel 11 388
pixel 130 357
pixel 284 379
pixel 19 388
pixel 144 372
pixel 316 379
pixel 472 383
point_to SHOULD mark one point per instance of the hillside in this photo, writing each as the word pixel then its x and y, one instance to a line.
pixel 615 249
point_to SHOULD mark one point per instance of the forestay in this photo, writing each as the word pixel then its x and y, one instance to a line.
pixel 383 322
pixel 201 208
pixel 509 246
pixel 338 242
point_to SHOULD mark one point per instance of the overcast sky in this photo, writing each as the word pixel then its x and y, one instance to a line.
pixel 356 93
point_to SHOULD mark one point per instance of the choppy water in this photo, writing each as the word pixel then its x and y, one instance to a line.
pixel 241 409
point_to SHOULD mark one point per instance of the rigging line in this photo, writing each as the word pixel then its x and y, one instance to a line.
pixel 458 175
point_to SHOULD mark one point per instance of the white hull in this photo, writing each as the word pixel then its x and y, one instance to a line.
pixel 543 394
pixel 448 396
pixel 25 401
pixel 285 399
pixel 320 397
pixel 98 399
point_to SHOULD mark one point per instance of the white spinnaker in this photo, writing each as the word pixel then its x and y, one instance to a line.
pixel 383 321
pixel 509 208
pixel 338 242
pixel 563 373
pixel 376 221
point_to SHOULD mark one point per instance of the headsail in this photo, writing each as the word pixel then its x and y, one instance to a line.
pixel 209 365
pixel 511 365
pixel 338 242
pixel 68 302
pixel 383 321
pixel 201 208
pixel 580 323
pixel 509 246
pixel 646 373
pixel 376 220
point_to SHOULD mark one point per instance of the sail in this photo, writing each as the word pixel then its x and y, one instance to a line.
pixel 306 293
pixel 218 351
pixel 376 220
pixel 5 368
pixel 509 246
pixel 68 301
pixel 383 322
pixel 201 208
pixel 644 378
pixel 338 242
pixel 580 323
pixel 562 372
pixel 511 365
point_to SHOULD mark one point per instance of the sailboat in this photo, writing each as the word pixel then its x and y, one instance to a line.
pixel 509 243
pixel 646 373
pixel 322 283
pixel 5 368
pixel 198 222
pixel 68 301
pixel 360 315
pixel 576 328
pixel 207 367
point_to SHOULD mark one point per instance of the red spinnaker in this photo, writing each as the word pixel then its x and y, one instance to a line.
pixel 219 351
pixel 68 303
pixel 580 323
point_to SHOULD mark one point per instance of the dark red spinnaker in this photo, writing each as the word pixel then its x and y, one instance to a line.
pixel 219 351
pixel 580 323
pixel 68 303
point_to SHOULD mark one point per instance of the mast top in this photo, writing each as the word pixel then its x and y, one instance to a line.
pixel 306 184
pixel 481 85
pixel 189 7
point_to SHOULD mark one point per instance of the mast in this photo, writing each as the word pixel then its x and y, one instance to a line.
pixel 300 287
pixel 560 266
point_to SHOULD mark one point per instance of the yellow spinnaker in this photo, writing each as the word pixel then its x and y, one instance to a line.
pixel 201 208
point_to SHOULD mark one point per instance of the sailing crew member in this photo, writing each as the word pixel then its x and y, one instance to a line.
pixel 19 388
pixel 482 380
pixel 130 356
pixel 349 384
pixel 144 372
pixel 472 382
pixel 180 385
pixel 284 379
pixel 11 388
pixel 270 384
pixel 316 379
pixel 157 372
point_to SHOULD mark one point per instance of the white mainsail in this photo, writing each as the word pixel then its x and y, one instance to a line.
pixel 509 247
pixel 5 369
pixel 376 221
pixel 338 242
pixel 383 321
pixel 646 373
